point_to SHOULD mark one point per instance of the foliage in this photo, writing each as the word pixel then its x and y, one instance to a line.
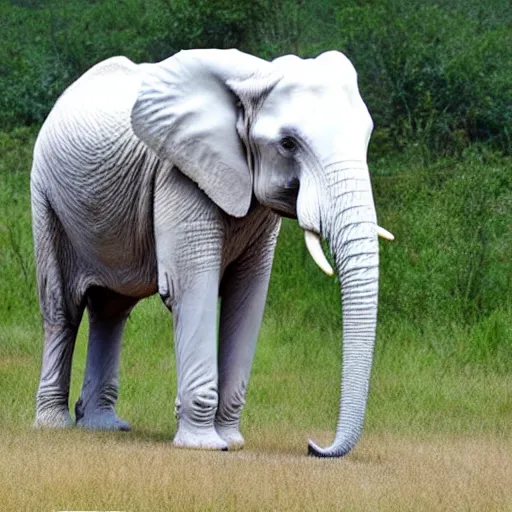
pixel 435 74
pixel 444 71
pixel 452 223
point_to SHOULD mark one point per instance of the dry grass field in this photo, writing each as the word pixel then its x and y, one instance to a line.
pixel 46 471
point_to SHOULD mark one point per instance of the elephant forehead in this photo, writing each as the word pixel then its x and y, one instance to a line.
pixel 329 69
pixel 301 101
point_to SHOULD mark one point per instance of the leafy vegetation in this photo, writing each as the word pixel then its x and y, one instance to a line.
pixel 436 74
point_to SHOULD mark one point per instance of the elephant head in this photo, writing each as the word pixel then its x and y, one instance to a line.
pixel 293 134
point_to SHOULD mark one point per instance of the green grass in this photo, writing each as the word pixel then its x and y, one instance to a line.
pixel 294 384
pixel 439 422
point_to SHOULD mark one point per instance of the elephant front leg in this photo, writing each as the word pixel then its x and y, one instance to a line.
pixel 195 318
pixel 244 292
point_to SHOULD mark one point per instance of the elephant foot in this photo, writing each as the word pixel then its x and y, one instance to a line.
pixel 53 417
pixel 102 420
pixel 231 435
pixel 198 438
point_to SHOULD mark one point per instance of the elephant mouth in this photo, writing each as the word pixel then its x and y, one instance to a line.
pixel 283 213
pixel 284 200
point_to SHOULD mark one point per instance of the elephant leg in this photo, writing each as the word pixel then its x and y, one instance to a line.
pixel 108 312
pixel 244 291
pixel 189 238
pixel 61 308
pixel 53 392
pixel 195 319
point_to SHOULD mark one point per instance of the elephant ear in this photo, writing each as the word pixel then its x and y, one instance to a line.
pixel 187 114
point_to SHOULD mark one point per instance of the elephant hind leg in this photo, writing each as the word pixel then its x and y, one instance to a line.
pixel 108 312
pixel 62 310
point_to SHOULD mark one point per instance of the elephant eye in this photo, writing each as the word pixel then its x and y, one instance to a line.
pixel 288 144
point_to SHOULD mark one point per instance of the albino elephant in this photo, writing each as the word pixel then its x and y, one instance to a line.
pixel 172 178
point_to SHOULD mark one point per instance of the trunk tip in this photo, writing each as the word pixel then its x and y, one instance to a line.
pixel 332 452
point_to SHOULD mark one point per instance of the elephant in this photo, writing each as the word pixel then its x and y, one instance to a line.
pixel 172 178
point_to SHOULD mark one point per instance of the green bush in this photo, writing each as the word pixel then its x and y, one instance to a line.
pixel 431 74
pixel 436 74
pixel 451 259
pixel 48 45
pixel 437 80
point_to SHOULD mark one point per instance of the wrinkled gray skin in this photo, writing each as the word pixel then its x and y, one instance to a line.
pixel 171 178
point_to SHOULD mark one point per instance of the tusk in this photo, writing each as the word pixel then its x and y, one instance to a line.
pixel 315 249
pixel 384 233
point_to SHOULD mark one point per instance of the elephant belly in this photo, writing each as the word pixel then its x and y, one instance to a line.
pixel 134 285
pixel 108 223
pixel 125 266
pixel 112 247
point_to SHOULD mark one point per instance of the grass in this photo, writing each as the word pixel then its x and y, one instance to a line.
pixel 80 471
pixel 438 432
pixel 437 437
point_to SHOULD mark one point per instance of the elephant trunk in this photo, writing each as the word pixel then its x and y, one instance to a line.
pixel 350 227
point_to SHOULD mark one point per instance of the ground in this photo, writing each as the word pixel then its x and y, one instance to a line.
pixel 140 471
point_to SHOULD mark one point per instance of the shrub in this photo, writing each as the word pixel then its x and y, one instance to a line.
pixel 451 259
pixel 431 74
pixel 434 74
